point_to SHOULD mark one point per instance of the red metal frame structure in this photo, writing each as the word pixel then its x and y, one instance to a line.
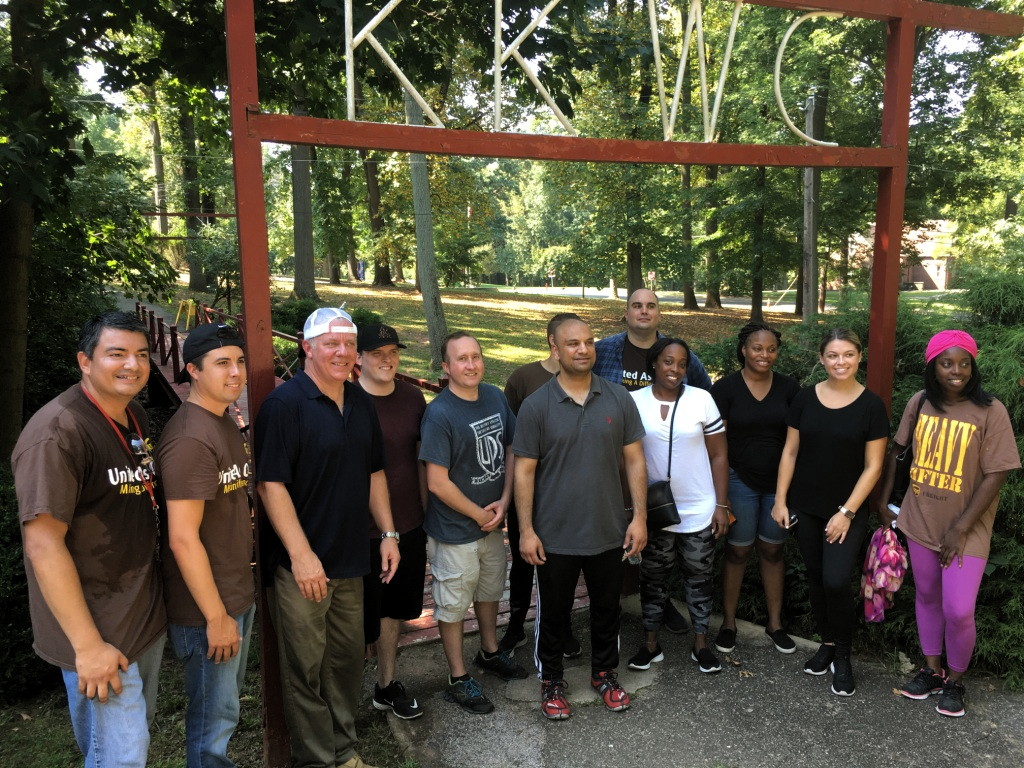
pixel 250 127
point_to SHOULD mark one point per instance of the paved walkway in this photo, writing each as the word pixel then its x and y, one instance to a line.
pixel 760 711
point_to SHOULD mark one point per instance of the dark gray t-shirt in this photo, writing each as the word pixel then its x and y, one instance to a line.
pixel 468 437
pixel 577 501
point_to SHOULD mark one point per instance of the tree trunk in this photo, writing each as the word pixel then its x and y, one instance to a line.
pixel 844 265
pixel 824 286
pixel 159 178
pixel 798 305
pixel 713 299
pixel 193 206
pixel 634 269
pixel 346 180
pixel 689 294
pixel 1010 207
pixel 757 277
pixel 815 119
pixel 426 265
pixel 17 222
pixel 381 264
pixel 304 286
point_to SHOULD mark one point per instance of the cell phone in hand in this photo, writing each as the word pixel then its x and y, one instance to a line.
pixel 793 519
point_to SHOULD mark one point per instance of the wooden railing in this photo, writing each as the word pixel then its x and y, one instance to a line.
pixel 163 341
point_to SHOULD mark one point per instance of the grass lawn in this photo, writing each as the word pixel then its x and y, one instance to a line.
pixel 510 327
pixel 36 733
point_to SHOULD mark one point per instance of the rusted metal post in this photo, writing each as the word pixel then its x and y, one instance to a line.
pixel 161 341
pixel 152 331
pixel 175 354
pixel 250 205
pixel 885 268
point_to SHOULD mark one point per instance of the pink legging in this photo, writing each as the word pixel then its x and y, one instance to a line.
pixel 945 605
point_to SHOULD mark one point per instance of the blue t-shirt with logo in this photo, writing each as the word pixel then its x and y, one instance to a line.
pixel 468 437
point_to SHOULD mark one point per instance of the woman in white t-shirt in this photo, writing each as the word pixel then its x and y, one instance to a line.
pixel 700 486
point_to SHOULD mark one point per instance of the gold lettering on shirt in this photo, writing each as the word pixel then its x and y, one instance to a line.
pixel 941 444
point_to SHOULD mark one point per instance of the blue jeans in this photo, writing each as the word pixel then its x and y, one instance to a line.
pixel 753 511
pixel 115 734
pixel 213 690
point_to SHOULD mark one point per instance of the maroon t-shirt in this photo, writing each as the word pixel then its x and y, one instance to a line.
pixel 400 414
pixel 70 463
pixel 204 456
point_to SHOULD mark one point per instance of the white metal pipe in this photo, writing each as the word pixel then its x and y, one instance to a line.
pixel 350 65
pixel 778 70
pixel 652 13
pixel 409 87
pixel 701 59
pixel 373 23
pixel 738 5
pixel 687 35
pixel 544 94
pixel 529 30
pixel 497 64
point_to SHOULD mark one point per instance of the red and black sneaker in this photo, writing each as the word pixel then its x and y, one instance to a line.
pixel 614 696
pixel 552 703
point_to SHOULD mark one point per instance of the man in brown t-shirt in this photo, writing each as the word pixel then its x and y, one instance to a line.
pixel 208 582
pixel 86 501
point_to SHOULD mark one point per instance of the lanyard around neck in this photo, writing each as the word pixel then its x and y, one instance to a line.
pixel 146 482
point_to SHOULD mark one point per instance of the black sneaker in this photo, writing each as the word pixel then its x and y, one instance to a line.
pixel 512 639
pixel 842 677
pixel 820 662
pixel 501 664
pixel 572 648
pixel 725 640
pixel 951 702
pixel 926 683
pixel 645 657
pixel 783 642
pixel 707 662
pixel 395 699
pixel 468 694
pixel 673 620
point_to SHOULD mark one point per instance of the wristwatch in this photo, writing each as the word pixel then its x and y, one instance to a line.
pixel 847 513
pixel 391 535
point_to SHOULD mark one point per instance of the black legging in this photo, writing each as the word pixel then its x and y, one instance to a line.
pixel 829 570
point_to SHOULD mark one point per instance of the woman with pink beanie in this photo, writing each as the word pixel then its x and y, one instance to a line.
pixel 963 450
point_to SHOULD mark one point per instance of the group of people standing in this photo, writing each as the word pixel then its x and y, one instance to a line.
pixel 363 481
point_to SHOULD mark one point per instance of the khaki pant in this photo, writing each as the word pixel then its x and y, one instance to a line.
pixel 321 654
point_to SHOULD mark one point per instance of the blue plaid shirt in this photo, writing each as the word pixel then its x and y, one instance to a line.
pixel 609 362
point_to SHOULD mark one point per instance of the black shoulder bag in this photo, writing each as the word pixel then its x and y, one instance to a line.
pixel 661 504
pixel 901 477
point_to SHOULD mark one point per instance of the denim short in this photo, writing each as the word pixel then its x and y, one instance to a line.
pixel 753 511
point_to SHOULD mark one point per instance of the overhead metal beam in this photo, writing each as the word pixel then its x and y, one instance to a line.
pixel 295 129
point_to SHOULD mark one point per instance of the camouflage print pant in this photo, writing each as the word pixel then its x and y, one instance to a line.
pixel 696 554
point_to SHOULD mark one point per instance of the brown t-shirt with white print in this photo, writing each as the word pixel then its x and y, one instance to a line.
pixel 204 456
pixel 953 451
pixel 70 463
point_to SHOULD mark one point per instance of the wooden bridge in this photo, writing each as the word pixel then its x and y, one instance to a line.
pixel 165 342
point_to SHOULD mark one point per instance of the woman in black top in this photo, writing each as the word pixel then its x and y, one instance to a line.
pixel 835 448
pixel 753 402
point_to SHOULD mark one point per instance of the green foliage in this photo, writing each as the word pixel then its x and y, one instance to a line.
pixel 288 316
pixel 21 671
pixel 217 251
pixel 995 297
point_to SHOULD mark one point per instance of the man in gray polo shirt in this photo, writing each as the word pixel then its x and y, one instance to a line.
pixel 570 437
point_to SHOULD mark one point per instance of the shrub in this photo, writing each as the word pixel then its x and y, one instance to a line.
pixel 994 297
pixel 21 671
pixel 288 316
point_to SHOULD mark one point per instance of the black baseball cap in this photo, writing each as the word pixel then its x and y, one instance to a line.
pixel 206 338
pixel 375 336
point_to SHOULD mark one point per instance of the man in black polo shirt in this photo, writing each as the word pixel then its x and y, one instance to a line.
pixel 319 471
pixel 570 437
